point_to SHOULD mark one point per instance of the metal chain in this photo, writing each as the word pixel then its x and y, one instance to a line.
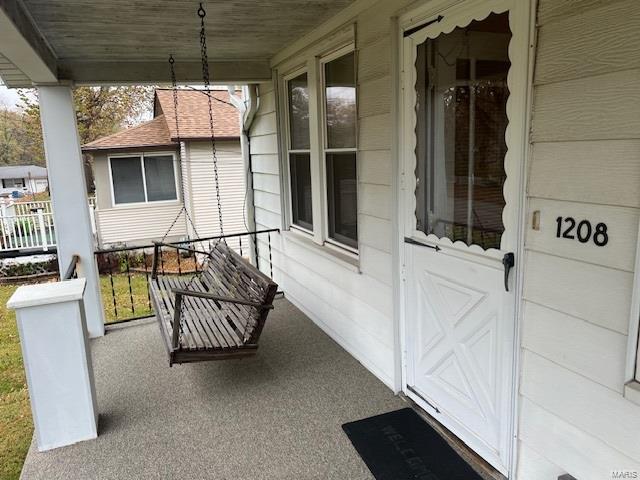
pixel 180 329
pixel 174 88
pixel 205 77
pixel 174 85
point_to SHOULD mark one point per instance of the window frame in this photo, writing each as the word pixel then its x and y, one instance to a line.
pixel 288 150
pixel 24 183
pixel 324 147
pixel 141 156
pixel 337 44
pixel 632 368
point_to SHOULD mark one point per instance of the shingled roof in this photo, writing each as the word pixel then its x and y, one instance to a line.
pixel 193 119
pixel 23 171
pixel 193 122
pixel 154 133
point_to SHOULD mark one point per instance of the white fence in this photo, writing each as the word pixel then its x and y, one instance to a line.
pixel 24 232
pixel 27 208
pixel 29 225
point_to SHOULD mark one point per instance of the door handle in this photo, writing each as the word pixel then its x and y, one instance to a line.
pixel 508 261
pixel 420 244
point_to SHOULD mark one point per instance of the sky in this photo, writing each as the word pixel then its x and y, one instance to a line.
pixel 8 97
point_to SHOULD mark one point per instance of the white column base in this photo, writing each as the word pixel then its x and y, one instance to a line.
pixel 57 362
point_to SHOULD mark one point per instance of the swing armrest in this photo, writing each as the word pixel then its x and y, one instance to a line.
pixel 218 298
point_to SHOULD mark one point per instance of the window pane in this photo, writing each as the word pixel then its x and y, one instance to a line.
pixel 126 173
pixel 340 95
pixel 299 112
pixel 13 182
pixel 342 198
pixel 299 165
pixel 161 184
pixel 461 123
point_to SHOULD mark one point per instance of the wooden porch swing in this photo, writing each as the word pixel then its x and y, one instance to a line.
pixel 218 312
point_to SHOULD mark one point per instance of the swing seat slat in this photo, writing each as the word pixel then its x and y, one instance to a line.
pixel 217 314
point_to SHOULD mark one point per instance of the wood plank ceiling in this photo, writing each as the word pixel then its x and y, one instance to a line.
pixel 137 29
pixel 129 41
pixel 89 35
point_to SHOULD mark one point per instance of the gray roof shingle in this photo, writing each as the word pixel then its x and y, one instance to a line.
pixel 23 171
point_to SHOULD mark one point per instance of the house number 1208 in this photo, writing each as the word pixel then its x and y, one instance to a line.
pixel 583 231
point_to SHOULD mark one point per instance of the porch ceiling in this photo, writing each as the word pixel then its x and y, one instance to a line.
pixel 123 41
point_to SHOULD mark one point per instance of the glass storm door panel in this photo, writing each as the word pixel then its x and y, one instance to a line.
pixel 461 120
pixel 460 221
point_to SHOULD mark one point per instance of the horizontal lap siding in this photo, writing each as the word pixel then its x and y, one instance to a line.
pixel 138 224
pixel 355 308
pixel 375 198
pixel 131 224
pixel 585 163
pixel 265 163
pixel 203 191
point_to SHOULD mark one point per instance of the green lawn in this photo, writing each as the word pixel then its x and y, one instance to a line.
pixel 123 297
pixel 16 427
pixel 15 414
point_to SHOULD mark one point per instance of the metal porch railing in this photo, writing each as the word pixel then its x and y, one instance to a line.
pixel 125 272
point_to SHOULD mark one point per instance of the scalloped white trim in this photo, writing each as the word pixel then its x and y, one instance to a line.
pixel 511 162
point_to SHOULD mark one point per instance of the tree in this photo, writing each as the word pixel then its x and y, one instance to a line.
pixel 15 144
pixel 100 111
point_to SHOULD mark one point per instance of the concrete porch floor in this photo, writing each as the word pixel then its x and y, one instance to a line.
pixel 277 415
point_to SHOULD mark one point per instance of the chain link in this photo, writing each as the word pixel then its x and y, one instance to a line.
pixel 174 86
pixel 205 77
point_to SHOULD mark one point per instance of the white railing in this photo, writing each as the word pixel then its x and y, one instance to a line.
pixel 27 208
pixel 29 225
pixel 33 231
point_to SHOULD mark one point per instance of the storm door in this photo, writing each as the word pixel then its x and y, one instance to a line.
pixel 461 198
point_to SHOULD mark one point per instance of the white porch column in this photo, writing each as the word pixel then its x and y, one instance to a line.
pixel 69 196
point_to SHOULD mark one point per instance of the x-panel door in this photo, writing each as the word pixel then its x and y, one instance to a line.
pixel 464 106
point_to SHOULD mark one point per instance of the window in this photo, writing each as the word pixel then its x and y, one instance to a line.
pixel 461 122
pixel 299 151
pixel 340 114
pixel 13 183
pixel 143 178
pixel 319 102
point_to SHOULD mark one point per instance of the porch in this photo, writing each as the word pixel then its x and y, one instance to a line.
pixel 277 415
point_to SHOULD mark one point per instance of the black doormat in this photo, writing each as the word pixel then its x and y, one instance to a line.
pixel 400 445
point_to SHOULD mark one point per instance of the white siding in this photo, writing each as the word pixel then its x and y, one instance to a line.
pixel 202 200
pixel 584 163
pixel 353 305
pixel 134 224
pixel 138 224
pixel 148 222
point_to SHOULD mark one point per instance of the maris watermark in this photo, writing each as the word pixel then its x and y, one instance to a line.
pixel 625 474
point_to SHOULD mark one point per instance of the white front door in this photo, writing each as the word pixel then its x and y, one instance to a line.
pixel 464 98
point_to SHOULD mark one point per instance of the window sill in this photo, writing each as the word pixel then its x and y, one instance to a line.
pixel 632 392
pixel 304 240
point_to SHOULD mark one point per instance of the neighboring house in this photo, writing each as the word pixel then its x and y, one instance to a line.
pixel 141 173
pixel 26 179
